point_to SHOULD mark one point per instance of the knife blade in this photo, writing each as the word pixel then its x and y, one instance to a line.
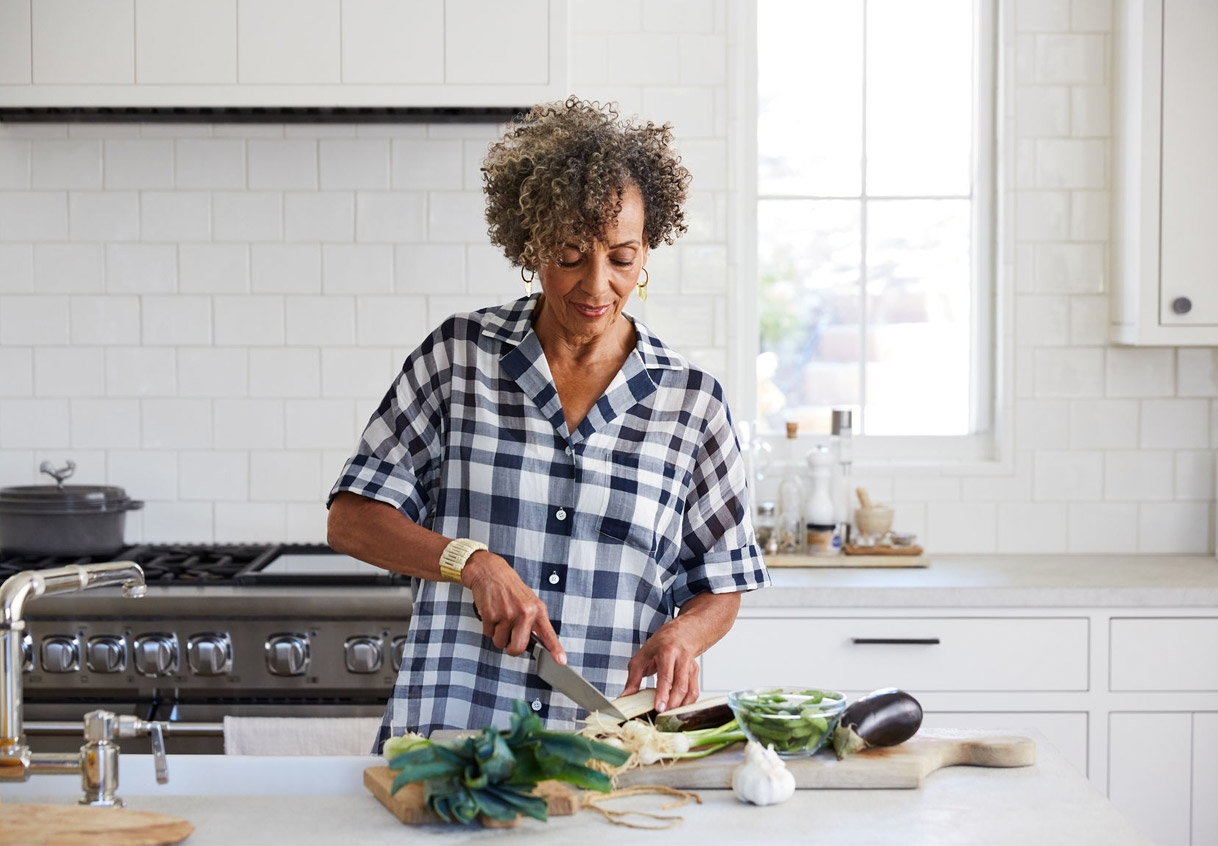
pixel 570 683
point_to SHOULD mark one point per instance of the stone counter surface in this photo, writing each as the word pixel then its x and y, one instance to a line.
pixel 1048 803
pixel 1001 581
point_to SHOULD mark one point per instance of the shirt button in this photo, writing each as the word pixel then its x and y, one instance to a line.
pixel 553 578
pixel 536 704
pixel 568 450
pixel 561 514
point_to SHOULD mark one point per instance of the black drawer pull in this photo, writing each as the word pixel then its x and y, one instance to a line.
pixel 898 641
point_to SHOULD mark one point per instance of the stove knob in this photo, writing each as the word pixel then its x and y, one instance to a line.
pixel 210 654
pixel 287 654
pixel 364 654
pixel 106 654
pixel 59 654
pixel 397 650
pixel 27 654
pixel 156 655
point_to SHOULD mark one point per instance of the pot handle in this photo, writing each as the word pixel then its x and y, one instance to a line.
pixel 134 505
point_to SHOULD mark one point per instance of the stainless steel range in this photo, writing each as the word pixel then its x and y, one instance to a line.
pixel 264 630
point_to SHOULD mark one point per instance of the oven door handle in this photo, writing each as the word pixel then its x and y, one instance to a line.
pixel 46 728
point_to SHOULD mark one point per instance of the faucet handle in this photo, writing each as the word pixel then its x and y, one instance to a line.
pixel 129 726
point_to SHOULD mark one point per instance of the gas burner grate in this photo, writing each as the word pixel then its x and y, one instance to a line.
pixel 198 564
pixel 12 563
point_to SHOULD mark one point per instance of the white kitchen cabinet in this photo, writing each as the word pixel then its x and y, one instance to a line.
pixel 1150 764
pixel 285 53
pixel 1156 654
pixel 1205 778
pixel 1166 176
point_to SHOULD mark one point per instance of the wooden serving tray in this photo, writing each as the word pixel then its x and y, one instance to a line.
pixel 87 825
pixel 407 804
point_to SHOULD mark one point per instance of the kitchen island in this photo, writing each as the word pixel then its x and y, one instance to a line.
pixel 1049 802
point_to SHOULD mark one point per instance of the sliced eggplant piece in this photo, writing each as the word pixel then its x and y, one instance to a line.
pixel 707 713
pixel 881 718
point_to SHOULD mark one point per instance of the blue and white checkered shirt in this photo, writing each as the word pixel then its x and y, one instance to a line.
pixel 613 526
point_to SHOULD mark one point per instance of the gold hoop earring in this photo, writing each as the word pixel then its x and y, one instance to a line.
pixel 528 281
pixel 642 289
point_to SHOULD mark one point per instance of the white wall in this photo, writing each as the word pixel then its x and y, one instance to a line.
pixel 207 314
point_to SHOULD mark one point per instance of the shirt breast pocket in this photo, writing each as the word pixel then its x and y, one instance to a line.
pixel 633 498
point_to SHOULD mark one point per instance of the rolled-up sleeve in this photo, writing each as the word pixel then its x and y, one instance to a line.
pixel 398 455
pixel 719 552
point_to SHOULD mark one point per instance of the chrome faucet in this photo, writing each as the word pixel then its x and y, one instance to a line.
pixel 97 761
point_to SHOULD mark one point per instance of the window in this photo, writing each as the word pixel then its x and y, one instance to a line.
pixel 874 187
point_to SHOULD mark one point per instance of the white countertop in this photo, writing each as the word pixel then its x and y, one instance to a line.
pixel 1101 581
pixel 1046 803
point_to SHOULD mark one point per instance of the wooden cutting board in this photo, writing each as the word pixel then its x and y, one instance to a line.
pixel 407 804
pixel 903 766
pixel 85 825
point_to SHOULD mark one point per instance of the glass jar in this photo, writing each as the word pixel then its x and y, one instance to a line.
pixel 766 528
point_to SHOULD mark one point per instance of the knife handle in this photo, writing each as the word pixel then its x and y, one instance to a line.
pixel 534 641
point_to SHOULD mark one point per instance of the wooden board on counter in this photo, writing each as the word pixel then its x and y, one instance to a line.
pixel 881 560
pixel 407 804
pixel 903 766
pixel 85 825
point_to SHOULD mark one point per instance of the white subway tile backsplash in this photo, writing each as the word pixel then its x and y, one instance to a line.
pixel 428 164
pixel 136 163
pixel 328 216
pixel 588 60
pixel 1069 372
pixel 16 268
pixel 283 165
pixel 1197 372
pixel 170 321
pixel 1070 268
pixel 1175 424
pixel 247 216
pixel 690 110
pixel 105 216
pixel 1013 487
pixel 426 268
pixel 306 523
pixel 361 373
pixel 144 475
pixel 1042 15
pixel 704 269
pixel 357 269
pixel 249 321
pixel 141 372
pixel 1089 215
pixel 105 423
pixel 33 216
pixel 1044 111
pixel 248 423
pixel 1029 527
pixel 707 160
pixel 1079 59
pixel 1091 111
pixel 1042 424
pixel 213 268
pixel 646 60
pixel 70 165
pixel 212 372
pixel 1135 475
pixel 961 527
pixel 178 522
pixel 287 476
pixel 354 163
pixel 319 423
pixel 69 372
pixel 217 163
pixel 286 268
pixel 16 371
pixel 69 268
pixel 1088 320
pixel 1175 527
pixel 320 321
pixel 1104 424
pixel 141 268
pixel 489 272
pixel 213 475
pixel 249 522
pixel 1070 163
pixel 176 423
pixel 680 16
pixel 105 320
pixel 1097 527
pixel 1195 475
pixel 1140 372
pixel 184 216
pixel 702 59
pixel 589 16
pixel 1091 15
pixel 1061 475
pixel 33 321
pixel 390 321
pixel 926 489
pixel 1042 216
pixel 391 218
pixel 1042 321
pixel 456 217
pixel 285 372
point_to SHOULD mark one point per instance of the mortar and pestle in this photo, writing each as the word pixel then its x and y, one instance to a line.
pixel 874 521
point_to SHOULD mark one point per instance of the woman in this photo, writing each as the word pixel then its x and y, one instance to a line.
pixel 551 461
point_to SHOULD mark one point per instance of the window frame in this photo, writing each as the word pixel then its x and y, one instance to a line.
pixel 989 398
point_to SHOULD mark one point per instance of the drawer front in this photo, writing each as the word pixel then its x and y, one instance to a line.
pixel 919 654
pixel 1163 653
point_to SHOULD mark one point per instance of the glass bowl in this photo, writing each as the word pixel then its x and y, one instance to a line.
pixel 796 721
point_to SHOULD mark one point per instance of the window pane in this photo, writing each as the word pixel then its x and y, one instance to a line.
pixel 918 317
pixel 809 116
pixel 808 260
pixel 919 97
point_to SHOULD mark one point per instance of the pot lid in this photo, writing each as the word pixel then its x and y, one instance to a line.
pixel 52 499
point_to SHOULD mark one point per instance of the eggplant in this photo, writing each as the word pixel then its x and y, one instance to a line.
pixel 881 718
pixel 708 713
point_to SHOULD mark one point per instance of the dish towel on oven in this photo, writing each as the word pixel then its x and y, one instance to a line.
pixel 299 735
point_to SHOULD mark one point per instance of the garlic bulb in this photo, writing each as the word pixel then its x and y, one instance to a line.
pixel 763 778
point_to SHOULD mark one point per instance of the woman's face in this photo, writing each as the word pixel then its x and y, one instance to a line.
pixel 585 292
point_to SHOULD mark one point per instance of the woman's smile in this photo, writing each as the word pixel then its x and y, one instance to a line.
pixel 592 312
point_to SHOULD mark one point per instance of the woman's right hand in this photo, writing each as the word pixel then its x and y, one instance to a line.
pixel 509 610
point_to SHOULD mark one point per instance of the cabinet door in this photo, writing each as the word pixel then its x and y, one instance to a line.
pixel 1190 171
pixel 1066 731
pixel 1149 765
pixel 1205 778
pixel 494 43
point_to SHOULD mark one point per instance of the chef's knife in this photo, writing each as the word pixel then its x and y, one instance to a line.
pixel 568 682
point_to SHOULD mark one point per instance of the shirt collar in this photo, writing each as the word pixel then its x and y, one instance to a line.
pixel 513 321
